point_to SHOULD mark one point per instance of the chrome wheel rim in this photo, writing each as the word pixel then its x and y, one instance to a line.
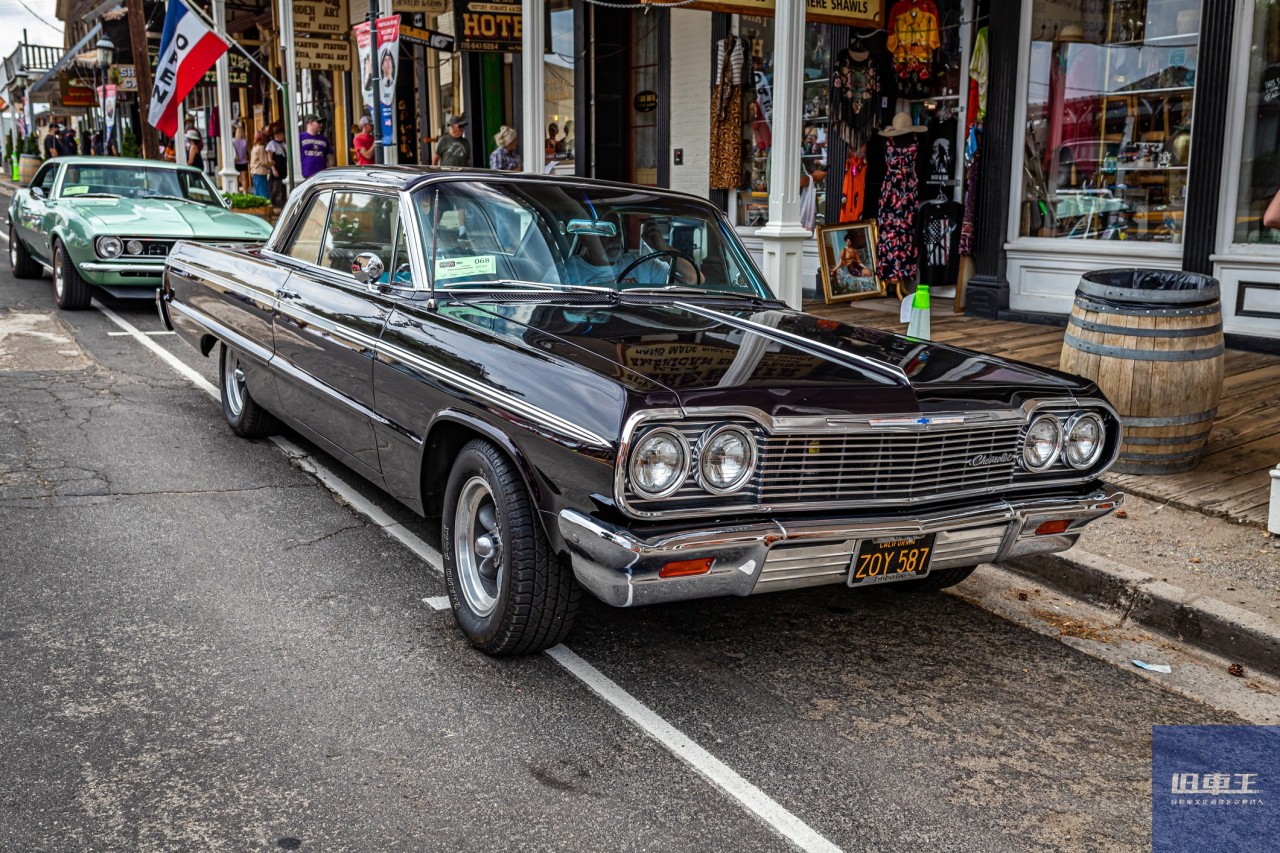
pixel 233 384
pixel 477 544
pixel 58 283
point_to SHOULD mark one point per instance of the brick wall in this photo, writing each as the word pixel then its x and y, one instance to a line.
pixel 691 100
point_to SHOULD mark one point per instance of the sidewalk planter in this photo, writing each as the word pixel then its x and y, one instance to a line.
pixel 1152 340
pixel 28 164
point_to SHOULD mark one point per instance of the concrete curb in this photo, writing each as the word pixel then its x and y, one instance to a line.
pixel 1213 625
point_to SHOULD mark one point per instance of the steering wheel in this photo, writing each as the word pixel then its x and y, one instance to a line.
pixel 671 273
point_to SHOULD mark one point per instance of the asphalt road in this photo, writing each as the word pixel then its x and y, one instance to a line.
pixel 203 648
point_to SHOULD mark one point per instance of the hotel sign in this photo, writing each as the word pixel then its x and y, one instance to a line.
pixel 854 12
pixel 487 27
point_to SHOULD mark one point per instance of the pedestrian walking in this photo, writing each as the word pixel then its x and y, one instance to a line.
pixel 241 146
pixel 453 149
pixel 195 150
pixel 363 142
pixel 53 144
pixel 96 144
pixel 505 158
pixel 260 164
pixel 279 166
pixel 316 152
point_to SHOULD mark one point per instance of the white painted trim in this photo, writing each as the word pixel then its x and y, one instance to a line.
pixel 1233 138
pixel 1138 250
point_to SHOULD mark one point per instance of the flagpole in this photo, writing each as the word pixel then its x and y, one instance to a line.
pixel 222 34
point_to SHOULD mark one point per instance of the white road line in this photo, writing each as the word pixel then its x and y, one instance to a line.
pixel 437 602
pixel 169 358
pixel 129 334
pixel 672 739
pixel 711 768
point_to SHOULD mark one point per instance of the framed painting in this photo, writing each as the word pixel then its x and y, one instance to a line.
pixel 848 253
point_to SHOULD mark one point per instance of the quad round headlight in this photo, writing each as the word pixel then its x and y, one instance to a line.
pixel 726 459
pixel 109 247
pixel 1042 443
pixel 1085 437
pixel 659 463
pixel 134 247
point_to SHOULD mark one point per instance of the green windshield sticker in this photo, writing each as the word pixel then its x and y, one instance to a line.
pixel 464 267
pixel 74 190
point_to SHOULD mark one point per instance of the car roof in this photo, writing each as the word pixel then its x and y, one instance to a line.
pixel 122 161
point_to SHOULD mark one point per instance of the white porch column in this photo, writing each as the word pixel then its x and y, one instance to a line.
pixel 226 151
pixel 290 117
pixel 784 237
pixel 532 90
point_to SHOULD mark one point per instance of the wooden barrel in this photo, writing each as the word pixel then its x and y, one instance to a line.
pixel 28 164
pixel 1152 340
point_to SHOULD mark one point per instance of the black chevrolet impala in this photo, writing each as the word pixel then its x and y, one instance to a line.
pixel 594 387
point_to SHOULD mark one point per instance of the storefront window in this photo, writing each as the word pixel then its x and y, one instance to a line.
pixel 558 88
pixel 1109 104
pixel 1260 161
pixel 757 121
pixel 645 69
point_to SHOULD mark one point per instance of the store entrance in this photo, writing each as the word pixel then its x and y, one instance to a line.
pixel 629 97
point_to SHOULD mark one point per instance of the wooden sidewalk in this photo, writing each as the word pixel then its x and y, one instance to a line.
pixel 1232 479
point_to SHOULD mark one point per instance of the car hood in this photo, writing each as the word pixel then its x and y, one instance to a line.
pixel 783 362
pixel 160 219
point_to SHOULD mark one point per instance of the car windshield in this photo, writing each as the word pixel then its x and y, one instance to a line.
pixel 514 233
pixel 129 181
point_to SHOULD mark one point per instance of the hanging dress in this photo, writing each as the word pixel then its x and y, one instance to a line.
pixel 726 116
pixel 896 252
pixel 854 190
pixel 855 91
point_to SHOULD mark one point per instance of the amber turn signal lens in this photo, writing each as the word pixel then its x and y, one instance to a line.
pixel 684 568
pixel 1051 527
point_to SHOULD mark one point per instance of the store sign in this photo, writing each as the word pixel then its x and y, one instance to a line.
pixel 128 77
pixel 322 54
pixel 487 27
pixel 74 93
pixel 238 70
pixel 427 38
pixel 321 17
pixel 862 12
pixel 426 7
pixel 646 101
pixel 1271 84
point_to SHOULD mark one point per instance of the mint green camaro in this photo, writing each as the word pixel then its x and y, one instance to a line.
pixel 109 222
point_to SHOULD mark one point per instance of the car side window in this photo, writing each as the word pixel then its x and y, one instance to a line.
pixel 310 236
pixel 45 179
pixel 361 222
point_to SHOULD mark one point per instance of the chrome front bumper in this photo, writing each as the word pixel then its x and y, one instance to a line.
pixel 622 568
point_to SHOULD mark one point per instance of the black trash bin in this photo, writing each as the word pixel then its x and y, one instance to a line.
pixel 1152 340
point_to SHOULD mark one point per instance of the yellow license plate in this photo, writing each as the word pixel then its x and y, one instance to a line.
pixel 888 560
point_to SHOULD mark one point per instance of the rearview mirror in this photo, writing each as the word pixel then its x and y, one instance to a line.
pixel 367 268
pixel 596 227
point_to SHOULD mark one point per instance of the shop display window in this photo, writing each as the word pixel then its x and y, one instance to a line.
pixel 561 137
pixel 1260 160
pixel 1110 92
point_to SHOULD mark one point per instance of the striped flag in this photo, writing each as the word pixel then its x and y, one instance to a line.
pixel 188 49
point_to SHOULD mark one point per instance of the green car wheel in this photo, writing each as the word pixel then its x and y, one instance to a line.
pixel 70 291
pixel 20 260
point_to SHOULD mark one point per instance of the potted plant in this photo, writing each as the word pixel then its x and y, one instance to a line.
pixel 250 203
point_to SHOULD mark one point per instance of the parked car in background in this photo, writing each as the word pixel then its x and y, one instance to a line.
pixel 109 222
pixel 592 385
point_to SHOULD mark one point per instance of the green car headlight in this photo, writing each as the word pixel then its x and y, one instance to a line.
pixel 109 247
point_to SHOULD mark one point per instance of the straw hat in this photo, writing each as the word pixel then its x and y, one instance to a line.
pixel 1070 33
pixel 901 125
pixel 193 134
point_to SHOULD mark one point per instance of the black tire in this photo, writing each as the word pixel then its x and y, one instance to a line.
pixel 531 595
pixel 935 580
pixel 70 291
pixel 20 260
pixel 245 417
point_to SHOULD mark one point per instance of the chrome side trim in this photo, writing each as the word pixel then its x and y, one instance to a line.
pixel 894 373
pixel 262 297
pixel 311 323
pixel 96 266
pixel 390 353
pixel 223 333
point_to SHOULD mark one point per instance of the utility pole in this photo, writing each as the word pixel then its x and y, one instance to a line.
pixel 142 74
pixel 379 154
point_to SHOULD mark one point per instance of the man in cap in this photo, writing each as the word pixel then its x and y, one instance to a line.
pixel 316 152
pixel 453 150
pixel 363 142
pixel 53 144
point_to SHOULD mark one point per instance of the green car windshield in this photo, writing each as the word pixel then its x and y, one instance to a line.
pixel 129 181
pixel 501 234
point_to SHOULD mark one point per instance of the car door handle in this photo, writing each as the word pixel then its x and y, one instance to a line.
pixel 286 293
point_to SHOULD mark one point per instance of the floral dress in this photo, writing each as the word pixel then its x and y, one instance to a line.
pixel 896 252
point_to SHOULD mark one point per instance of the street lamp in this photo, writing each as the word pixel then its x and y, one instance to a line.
pixel 106 55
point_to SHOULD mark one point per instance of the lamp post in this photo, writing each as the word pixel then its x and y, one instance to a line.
pixel 106 56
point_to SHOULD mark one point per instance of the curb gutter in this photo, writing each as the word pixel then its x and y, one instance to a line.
pixel 1208 623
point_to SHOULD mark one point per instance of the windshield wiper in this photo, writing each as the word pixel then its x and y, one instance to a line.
pixel 698 291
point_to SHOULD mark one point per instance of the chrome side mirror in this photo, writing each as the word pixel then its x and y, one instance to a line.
pixel 37 192
pixel 367 268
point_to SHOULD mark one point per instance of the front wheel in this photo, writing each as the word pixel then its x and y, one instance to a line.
pixel 936 580
pixel 70 291
pixel 510 594
pixel 245 417
pixel 20 260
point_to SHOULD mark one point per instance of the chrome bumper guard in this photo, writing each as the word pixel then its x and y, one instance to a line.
pixel 156 269
pixel 622 568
